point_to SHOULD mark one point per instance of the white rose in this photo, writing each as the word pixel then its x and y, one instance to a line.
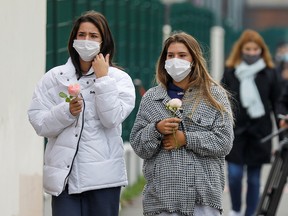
pixel 175 103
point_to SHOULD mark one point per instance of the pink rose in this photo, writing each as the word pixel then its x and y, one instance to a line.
pixel 74 89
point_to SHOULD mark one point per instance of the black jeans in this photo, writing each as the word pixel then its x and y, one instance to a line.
pixel 102 202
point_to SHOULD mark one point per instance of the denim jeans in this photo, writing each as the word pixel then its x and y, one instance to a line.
pixel 235 175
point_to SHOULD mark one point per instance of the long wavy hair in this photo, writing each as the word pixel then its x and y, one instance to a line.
pixel 247 36
pixel 199 76
pixel 107 45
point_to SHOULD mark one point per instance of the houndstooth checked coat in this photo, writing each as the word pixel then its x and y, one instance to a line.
pixel 180 178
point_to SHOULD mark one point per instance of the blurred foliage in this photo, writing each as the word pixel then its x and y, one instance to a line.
pixel 133 191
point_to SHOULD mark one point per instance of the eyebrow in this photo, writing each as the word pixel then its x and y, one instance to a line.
pixel 177 52
pixel 96 33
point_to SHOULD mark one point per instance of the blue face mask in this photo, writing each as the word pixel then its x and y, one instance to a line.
pixel 250 59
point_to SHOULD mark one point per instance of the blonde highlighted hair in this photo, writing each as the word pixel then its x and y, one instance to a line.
pixel 199 77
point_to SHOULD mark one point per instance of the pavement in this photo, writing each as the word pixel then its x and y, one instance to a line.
pixel 135 207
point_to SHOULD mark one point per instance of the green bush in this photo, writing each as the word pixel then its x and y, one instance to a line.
pixel 133 191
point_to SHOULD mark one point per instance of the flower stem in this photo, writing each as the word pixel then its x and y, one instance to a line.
pixel 175 140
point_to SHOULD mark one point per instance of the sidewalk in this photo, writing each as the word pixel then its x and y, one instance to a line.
pixel 135 209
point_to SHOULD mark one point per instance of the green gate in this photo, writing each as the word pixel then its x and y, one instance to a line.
pixel 193 20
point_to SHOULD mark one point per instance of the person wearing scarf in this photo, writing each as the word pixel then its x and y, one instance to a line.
pixel 254 84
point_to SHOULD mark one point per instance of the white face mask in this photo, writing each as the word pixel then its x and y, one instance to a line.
pixel 177 68
pixel 86 49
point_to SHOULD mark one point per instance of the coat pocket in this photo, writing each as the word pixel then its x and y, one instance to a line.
pixel 199 121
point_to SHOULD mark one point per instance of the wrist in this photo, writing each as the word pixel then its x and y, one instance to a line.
pixel 156 123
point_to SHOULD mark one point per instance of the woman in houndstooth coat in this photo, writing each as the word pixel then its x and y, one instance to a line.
pixel 184 151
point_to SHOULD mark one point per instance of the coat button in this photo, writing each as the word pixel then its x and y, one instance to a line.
pixel 76 135
pixel 68 166
pixel 61 73
pixel 87 82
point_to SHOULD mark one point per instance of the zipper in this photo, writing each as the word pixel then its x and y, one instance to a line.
pixel 66 178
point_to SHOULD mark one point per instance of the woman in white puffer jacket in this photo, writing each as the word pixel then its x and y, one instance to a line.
pixel 84 165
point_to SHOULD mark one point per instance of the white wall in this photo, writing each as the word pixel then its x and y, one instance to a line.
pixel 22 63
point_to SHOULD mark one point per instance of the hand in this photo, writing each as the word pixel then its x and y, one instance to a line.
pixel 100 65
pixel 75 106
pixel 283 123
pixel 166 126
pixel 168 141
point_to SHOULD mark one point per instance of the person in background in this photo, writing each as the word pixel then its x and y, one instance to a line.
pixel 281 60
pixel 283 69
pixel 84 166
pixel 283 110
pixel 254 84
pixel 183 131
pixel 281 52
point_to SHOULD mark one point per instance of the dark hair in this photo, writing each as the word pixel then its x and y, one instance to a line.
pixel 107 45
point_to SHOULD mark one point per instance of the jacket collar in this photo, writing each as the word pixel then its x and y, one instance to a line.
pixel 68 69
pixel 161 94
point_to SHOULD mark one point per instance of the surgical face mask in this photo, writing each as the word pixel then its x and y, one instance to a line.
pixel 177 68
pixel 284 57
pixel 250 59
pixel 86 49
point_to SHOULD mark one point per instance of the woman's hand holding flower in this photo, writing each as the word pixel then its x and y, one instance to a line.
pixel 166 126
pixel 168 141
pixel 169 128
pixel 75 106
pixel 75 102
pixel 173 105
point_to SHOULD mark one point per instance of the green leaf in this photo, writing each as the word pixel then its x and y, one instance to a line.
pixel 68 100
pixel 62 95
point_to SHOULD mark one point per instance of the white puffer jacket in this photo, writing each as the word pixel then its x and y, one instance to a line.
pixel 85 152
